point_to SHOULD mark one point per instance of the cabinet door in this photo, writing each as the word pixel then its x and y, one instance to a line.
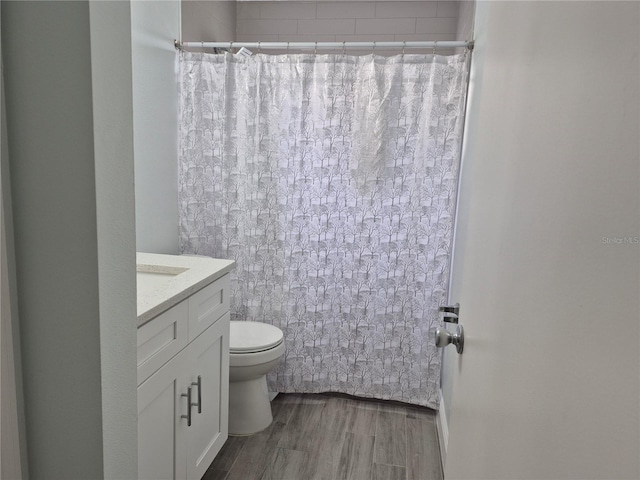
pixel 161 430
pixel 209 357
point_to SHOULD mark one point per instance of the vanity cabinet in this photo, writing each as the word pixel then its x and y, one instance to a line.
pixel 184 353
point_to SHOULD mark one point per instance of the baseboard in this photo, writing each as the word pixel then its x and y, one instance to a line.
pixel 442 426
pixel 272 395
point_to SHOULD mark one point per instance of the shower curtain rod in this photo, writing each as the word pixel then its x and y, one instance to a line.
pixel 326 45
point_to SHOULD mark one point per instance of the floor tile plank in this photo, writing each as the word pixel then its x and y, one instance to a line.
pixel 423 452
pixel 356 460
pixel 228 453
pixel 391 438
pixel 215 474
pixel 323 455
pixel 286 465
pixel 298 431
pixel 388 472
pixel 257 454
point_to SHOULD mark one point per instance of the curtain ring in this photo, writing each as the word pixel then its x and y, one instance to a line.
pixel 259 46
pixel 202 44
pixel 373 52
pixel 230 47
pixel 287 48
pixel 404 45
pixel 315 49
pixel 344 48
pixel 435 45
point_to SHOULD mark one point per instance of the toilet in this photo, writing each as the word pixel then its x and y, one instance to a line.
pixel 254 349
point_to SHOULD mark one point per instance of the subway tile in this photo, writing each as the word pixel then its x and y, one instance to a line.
pixel 448 9
pixel 306 38
pixel 266 26
pixel 246 37
pixel 248 10
pixel 426 37
pixel 346 10
pixel 436 25
pixel 284 10
pixel 406 9
pixel 385 25
pixel 326 26
pixel 370 37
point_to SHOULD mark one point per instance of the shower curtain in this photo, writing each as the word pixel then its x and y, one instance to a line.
pixel 331 181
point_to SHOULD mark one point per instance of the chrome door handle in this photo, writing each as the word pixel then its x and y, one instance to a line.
pixel 444 338
pixel 199 385
pixel 189 404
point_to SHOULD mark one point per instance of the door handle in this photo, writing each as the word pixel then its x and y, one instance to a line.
pixel 444 338
pixel 189 404
pixel 199 385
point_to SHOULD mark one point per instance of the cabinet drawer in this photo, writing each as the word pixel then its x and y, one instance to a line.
pixel 161 339
pixel 207 306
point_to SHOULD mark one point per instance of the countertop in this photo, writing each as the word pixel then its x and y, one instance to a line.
pixel 165 280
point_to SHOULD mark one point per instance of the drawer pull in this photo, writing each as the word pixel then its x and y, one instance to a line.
pixel 188 415
pixel 199 385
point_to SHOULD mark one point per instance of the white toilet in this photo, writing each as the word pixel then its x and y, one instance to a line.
pixel 254 349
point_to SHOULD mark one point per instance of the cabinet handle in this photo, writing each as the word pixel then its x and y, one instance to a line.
pixel 199 385
pixel 188 415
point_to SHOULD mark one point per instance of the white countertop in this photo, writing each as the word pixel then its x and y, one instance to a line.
pixel 165 280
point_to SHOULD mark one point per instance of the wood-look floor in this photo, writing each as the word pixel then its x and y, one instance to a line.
pixel 329 437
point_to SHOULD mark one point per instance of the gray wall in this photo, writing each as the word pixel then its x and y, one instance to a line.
pixel 213 21
pixel 331 21
pixel 74 254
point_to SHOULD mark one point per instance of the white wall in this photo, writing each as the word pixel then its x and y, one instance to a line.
pixel 155 25
pixel 115 221
pixel 68 108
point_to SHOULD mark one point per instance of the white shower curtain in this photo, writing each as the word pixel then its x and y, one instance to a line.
pixel 331 181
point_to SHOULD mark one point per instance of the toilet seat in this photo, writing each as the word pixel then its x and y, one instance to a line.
pixel 253 337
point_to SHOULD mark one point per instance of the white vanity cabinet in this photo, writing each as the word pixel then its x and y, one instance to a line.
pixel 182 353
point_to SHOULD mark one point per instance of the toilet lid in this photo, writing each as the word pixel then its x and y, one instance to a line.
pixel 247 337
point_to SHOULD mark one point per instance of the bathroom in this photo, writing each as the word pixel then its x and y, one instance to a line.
pixel 542 123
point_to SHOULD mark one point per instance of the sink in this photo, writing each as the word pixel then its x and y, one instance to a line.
pixel 150 277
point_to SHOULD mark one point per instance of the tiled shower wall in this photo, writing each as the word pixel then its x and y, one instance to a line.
pixel 326 21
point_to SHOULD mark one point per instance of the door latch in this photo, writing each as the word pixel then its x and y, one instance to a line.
pixel 450 313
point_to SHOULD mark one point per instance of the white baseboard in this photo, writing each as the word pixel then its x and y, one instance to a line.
pixel 442 425
pixel 272 395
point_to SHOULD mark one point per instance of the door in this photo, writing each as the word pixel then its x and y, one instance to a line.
pixel 161 429
pixel 209 367
pixel 546 258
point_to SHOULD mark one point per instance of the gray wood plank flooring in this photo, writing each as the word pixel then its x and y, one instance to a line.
pixel 335 437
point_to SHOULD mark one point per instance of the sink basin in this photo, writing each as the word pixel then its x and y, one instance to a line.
pixel 150 277
pixel 165 280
